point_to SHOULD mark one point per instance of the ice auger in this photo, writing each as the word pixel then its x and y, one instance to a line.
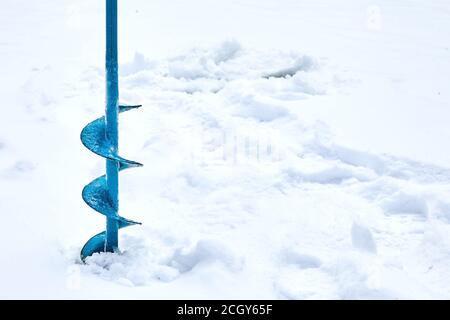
pixel 102 137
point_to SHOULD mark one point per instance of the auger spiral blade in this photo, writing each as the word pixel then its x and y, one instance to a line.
pixel 101 137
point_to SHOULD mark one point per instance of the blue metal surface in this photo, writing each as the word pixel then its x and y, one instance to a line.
pixel 112 133
pixel 102 137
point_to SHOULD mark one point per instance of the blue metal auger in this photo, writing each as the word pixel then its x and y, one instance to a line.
pixel 102 137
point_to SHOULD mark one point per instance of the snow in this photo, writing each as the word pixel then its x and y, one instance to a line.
pixel 292 150
pixel 362 238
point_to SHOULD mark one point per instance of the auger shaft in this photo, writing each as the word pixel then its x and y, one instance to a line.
pixel 112 112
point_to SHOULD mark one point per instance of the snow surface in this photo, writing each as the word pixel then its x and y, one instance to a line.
pixel 292 149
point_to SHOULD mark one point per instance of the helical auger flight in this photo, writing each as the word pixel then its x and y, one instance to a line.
pixel 101 137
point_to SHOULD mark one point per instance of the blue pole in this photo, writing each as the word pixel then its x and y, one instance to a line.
pixel 112 112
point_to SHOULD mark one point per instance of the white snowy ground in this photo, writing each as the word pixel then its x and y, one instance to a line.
pixel 292 149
